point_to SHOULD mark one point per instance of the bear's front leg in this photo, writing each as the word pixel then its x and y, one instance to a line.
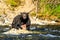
pixel 23 27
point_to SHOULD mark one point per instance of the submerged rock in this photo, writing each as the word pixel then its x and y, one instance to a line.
pixel 49 35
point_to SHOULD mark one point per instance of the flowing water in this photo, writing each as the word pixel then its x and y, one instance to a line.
pixel 46 32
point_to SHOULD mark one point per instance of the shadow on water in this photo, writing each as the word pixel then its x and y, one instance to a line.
pixel 46 32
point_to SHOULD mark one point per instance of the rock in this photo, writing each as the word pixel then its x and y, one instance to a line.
pixel 6 29
pixel 53 22
pixel 17 32
pixel 32 28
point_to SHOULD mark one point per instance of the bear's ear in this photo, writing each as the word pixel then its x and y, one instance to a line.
pixel 21 13
pixel 27 12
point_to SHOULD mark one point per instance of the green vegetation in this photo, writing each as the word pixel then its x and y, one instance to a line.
pixel 13 3
pixel 33 14
pixel 48 9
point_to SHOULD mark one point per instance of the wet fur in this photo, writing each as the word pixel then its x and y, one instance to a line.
pixel 18 21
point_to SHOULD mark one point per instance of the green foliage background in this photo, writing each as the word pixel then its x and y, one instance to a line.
pixel 49 8
pixel 13 3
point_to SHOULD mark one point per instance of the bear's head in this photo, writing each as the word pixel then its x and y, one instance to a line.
pixel 25 15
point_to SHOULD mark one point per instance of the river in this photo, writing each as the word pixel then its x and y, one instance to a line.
pixel 46 32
